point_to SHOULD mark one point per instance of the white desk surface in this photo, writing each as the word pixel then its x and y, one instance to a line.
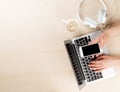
pixel 33 57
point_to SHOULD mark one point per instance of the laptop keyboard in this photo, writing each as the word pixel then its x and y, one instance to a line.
pixel 90 75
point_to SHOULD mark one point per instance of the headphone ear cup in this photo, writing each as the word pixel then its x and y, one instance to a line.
pixel 102 16
pixel 90 22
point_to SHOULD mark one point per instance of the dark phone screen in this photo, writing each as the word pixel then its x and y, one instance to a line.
pixel 91 49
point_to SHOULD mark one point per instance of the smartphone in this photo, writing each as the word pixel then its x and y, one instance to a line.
pixel 90 50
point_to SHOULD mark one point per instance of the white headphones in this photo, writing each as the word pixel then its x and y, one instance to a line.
pixel 101 16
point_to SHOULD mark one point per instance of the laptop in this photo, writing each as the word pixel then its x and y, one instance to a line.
pixel 81 54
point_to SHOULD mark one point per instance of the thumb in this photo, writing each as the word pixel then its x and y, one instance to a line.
pixel 95 41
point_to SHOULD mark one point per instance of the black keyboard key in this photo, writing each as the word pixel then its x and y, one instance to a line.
pixel 86 40
pixel 89 39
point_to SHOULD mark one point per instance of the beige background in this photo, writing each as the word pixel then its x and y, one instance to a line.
pixel 32 54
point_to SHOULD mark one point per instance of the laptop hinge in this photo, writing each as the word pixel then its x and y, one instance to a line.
pixel 75 62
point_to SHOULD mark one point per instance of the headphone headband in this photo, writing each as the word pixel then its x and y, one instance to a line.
pixel 79 5
pixel 101 1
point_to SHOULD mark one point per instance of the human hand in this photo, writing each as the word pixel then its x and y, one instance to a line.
pixel 113 31
pixel 102 39
pixel 103 62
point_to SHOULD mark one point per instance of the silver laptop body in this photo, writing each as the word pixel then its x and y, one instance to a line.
pixel 83 73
